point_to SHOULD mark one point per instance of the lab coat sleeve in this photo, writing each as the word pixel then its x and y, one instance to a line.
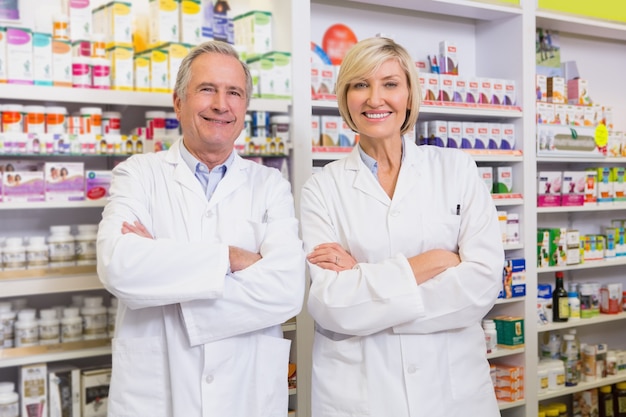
pixel 144 272
pixel 356 301
pixel 269 292
pixel 463 295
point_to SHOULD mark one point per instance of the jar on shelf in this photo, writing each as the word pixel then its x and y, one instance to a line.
pixel 7 322
pixel 71 325
pixel 491 335
pixel 49 329
pixel 37 253
pixel 14 254
pixel 9 400
pixel 86 244
pixel 62 247
pixel 94 319
pixel 26 329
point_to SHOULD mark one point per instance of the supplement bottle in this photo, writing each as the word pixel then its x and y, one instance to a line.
pixel 91 120
pixel 561 408
pixel 605 401
pixel 86 244
pixel 94 319
pixel 111 316
pixel 491 335
pixel 34 119
pixel 56 119
pixel 14 254
pixel 37 253
pixel 560 307
pixel 7 322
pixel 620 399
pixel 569 356
pixel 49 329
pixel 9 400
pixel 61 246
pixel 71 325
pixel 111 123
pixel 13 118
pixel 574 305
pixel 26 329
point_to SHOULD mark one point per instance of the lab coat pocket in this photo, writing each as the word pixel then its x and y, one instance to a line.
pixel 249 235
pixel 441 232
pixel 340 369
pixel 139 380
pixel 273 360
pixel 467 360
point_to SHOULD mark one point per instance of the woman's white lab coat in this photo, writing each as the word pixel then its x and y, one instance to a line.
pixel 385 346
pixel 192 338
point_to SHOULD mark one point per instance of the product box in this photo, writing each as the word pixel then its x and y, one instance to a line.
pixel 117 23
pixel 3 54
pixel 468 135
pixel 448 58
pixel 33 390
pixel 541 87
pixel 512 228
pixel 497 96
pixel 573 188
pixel 504 180
pixel 591 187
pixel 264 66
pixel 446 87
pixel 20 51
pixel 421 136
pixel 510 93
pixel 593 357
pixel 460 89
pixel 329 130
pixel 431 90
pixel 42 58
pixel 64 390
pixel 485 91
pixel 510 330
pixel 572 251
pixel 95 392
pixel 97 184
pixel 605 187
pixel 585 403
pixel 473 90
pixel 23 186
pixel 347 137
pixel 253 31
pixel 495 135
pixel 560 114
pixel 502 216
pixel 577 92
pixel 545 113
pixel 514 278
pixel 486 174
pixel 614 147
pixel 508 136
pixel 61 63
pixel 190 22
pixel 455 135
pixel 121 58
pixel 175 54
pixel 437 133
pixel 64 181
pixel 141 64
pixel 549 188
pixel 555 87
pixel 593 247
pixel 315 130
pixel 280 75
pixel 159 74
pixel 163 26
pixel 481 138
pixel 80 20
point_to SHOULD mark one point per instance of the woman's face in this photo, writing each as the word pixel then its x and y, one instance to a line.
pixel 378 104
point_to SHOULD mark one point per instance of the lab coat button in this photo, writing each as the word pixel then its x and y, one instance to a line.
pixel 209 379
pixel 412 369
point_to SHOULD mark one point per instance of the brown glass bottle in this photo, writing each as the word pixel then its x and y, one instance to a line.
pixel 560 305
pixel 619 399
pixel 605 401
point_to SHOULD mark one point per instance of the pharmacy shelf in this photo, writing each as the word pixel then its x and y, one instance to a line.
pixel 20 93
pixel 582 386
pixel 602 318
pixel 503 352
pixel 330 153
pixel 580 25
pixel 459 110
pixel 49 281
pixel 587 208
pixel 53 353
pixel 27 205
pixel 510 300
pixel 507 199
pixel 513 246
pixel 600 159
pixel 506 405
pixel 587 265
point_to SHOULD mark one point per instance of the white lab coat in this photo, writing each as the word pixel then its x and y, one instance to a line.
pixel 192 338
pixel 386 346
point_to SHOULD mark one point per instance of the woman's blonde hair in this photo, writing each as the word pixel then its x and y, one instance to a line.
pixel 363 60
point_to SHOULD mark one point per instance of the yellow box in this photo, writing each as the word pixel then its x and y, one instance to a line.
pixel 121 58
pixel 163 26
pixel 190 22
pixel 61 63
pixel 159 75
pixel 142 71
pixel 114 20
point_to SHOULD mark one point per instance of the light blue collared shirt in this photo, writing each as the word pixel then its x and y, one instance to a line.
pixel 370 162
pixel 208 178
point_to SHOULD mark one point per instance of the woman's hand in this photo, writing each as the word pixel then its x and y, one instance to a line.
pixel 136 228
pixel 331 256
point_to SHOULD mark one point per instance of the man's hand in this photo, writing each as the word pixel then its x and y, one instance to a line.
pixel 241 258
pixel 136 228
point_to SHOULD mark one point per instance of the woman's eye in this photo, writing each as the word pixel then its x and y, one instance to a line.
pixel 360 85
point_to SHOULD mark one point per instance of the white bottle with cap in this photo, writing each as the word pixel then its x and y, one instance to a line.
pixel 9 400
pixel 26 329
pixel 111 317
pixel 14 254
pixel 62 246
pixel 71 325
pixel 37 253
pixel 86 244
pixel 49 330
pixel 94 319
pixel 7 322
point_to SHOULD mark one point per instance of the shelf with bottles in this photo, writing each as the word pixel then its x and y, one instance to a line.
pixel 585 208
pixel 608 262
pixel 505 405
pixel 49 281
pixel 35 93
pixel 582 386
pixel 504 351
pixel 18 356
pixel 592 321
pixel 580 25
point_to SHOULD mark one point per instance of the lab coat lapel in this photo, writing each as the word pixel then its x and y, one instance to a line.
pixel 235 177
pixel 182 173
pixel 410 172
pixel 364 180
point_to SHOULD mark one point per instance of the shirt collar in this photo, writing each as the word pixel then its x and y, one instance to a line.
pixel 370 162
pixel 192 162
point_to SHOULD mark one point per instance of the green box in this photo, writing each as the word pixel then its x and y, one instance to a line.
pixel 510 330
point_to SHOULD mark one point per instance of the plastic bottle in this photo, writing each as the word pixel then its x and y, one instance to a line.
pixel 605 401
pixel 574 305
pixel 620 399
pixel 14 254
pixel 570 358
pixel 111 317
pixel 7 322
pixel 94 319
pixel 86 244
pixel 60 28
pixel 561 408
pixel 9 400
pixel 37 253
pixel 26 329
pixel 62 246
pixel 49 330
pixel 13 118
pixel 560 308
pixel 71 325
pixel 491 335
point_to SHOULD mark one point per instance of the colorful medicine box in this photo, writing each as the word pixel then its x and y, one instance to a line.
pixel 64 181
pixel 549 188
pixel 510 330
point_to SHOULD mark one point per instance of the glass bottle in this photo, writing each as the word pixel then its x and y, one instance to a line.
pixel 560 301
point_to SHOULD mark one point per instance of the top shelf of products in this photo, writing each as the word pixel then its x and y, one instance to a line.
pixel 19 93
pixel 580 25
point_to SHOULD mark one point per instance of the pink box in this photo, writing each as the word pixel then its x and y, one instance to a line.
pixel 97 184
pixel 549 188
pixel 64 181
pixel 573 193
pixel 23 186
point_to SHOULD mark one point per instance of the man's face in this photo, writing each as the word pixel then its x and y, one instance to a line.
pixel 213 112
